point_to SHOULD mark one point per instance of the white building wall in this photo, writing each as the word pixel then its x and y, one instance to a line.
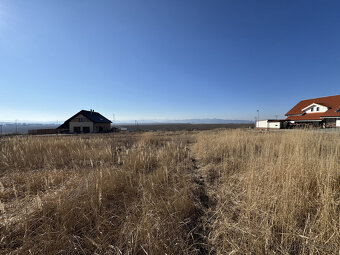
pixel 338 123
pixel 274 124
pixel 268 124
pixel 262 124
pixel 321 109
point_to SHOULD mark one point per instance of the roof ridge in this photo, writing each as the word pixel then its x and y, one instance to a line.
pixel 319 97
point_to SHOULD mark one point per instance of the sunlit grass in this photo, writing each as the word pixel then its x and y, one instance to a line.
pixel 130 198
pixel 268 192
pixel 277 192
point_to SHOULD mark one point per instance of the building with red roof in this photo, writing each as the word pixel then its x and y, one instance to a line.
pixel 316 112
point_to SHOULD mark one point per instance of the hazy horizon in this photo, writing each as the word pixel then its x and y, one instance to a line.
pixel 144 121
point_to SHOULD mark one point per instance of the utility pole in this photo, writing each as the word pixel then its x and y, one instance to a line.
pixel 258 115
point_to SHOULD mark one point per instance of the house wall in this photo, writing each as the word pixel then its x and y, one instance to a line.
pixel 268 124
pixel 80 116
pixel 274 124
pixel 338 123
pixel 85 123
pixel 322 109
pixel 81 125
pixel 261 124
pixel 102 127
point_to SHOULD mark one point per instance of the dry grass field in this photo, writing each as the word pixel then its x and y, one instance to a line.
pixel 208 192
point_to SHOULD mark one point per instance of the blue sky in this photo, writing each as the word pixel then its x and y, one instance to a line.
pixel 165 59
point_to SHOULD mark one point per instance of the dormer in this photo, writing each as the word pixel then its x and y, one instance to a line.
pixel 315 108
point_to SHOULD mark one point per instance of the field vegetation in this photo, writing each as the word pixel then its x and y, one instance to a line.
pixel 275 192
pixel 207 192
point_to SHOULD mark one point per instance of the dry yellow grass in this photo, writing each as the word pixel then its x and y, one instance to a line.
pixel 223 192
pixel 276 193
pixel 82 196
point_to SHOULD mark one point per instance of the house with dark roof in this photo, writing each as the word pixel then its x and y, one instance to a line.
pixel 316 112
pixel 86 122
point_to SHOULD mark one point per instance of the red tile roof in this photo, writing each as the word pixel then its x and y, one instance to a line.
pixel 332 102
pixel 309 116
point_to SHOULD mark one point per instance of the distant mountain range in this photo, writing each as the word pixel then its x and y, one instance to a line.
pixel 186 121
pixel 183 121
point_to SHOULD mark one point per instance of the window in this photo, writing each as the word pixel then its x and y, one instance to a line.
pixel 76 130
pixel 338 110
pixel 312 109
pixel 86 129
pixel 317 109
pixel 81 119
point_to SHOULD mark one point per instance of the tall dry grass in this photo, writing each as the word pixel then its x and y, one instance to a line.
pixel 95 196
pixel 29 152
pixel 235 191
pixel 276 193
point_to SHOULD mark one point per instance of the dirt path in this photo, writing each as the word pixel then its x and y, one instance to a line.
pixel 205 203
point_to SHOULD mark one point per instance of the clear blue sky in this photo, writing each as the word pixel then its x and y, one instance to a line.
pixel 165 59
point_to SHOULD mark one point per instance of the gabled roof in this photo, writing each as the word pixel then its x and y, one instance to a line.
pixel 312 104
pixel 332 102
pixel 95 117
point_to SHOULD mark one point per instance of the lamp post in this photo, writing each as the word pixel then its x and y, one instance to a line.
pixel 258 115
